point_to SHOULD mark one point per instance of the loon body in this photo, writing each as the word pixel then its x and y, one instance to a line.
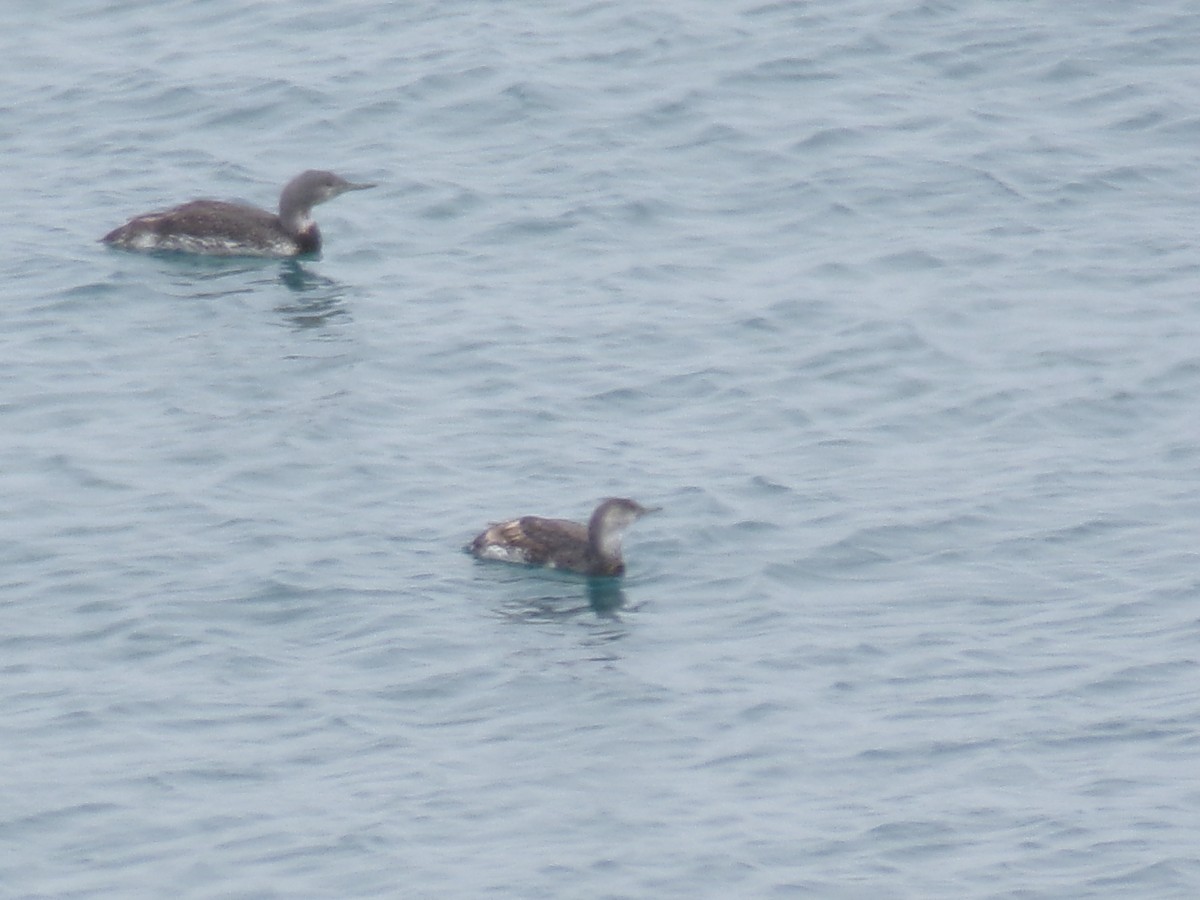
pixel 592 549
pixel 218 228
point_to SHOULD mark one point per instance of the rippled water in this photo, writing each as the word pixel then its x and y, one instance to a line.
pixel 892 307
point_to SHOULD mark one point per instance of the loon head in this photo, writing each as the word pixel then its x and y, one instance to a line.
pixel 308 189
pixel 609 521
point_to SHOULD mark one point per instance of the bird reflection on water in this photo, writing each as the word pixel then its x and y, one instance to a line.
pixel 319 299
pixel 598 600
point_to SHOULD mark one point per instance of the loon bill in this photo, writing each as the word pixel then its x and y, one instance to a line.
pixel 592 549
pixel 218 228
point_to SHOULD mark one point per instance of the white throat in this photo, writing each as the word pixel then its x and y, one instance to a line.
pixel 610 543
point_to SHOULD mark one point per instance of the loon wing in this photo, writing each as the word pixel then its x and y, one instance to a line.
pixel 556 542
pixel 205 218
pixel 537 541
pixel 205 226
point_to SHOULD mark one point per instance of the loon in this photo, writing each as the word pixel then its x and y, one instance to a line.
pixel 592 549
pixel 217 228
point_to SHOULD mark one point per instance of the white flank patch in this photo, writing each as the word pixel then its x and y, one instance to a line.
pixel 503 553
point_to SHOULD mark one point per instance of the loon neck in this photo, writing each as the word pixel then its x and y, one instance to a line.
pixel 604 541
pixel 606 556
pixel 606 528
pixel 307 240
pixel 296 220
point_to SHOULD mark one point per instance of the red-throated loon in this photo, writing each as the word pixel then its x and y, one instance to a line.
pixel 217 228
pixel 592 549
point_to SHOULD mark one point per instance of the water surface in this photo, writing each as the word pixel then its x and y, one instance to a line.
pixel 893 308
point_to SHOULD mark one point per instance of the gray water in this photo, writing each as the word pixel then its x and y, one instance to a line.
pixel 893 307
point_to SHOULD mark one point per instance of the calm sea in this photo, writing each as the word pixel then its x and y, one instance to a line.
pixel 894 307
